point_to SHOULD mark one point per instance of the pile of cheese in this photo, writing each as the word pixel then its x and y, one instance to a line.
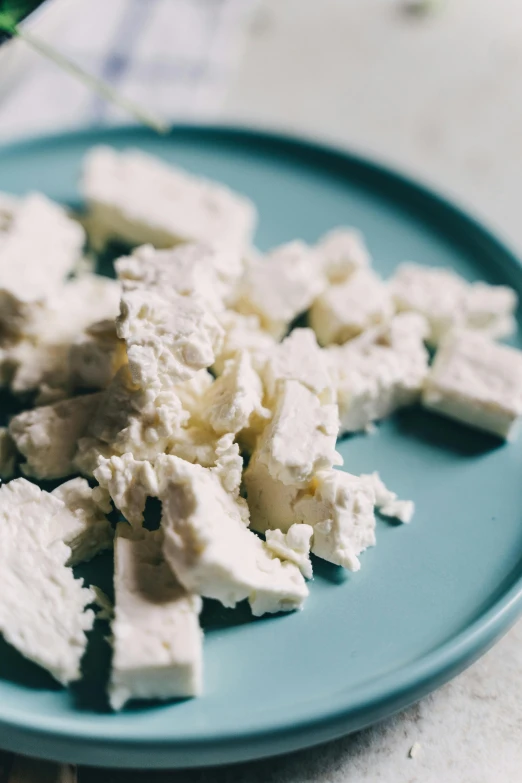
pixel 159 384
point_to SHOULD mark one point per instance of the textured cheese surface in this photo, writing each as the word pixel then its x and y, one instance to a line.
pixel 476 381
pixel 300 438
pixel 96 355
pixel 293 546
pixel 48 436
pixel 343 311
pixel 156 638
pixel 212 552
pixel 270 502
pixel 243 333
pixel 88 531
pixel 380 371
pixel 138 198
pixel 341 252
pixel 387 501
pixel 168 339
pixel 280 286
pixel 42 611
pixel 449 301
pixel 129 482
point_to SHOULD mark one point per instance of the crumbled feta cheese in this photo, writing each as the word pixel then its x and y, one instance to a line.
pixel 299 358
pixel 343 311
pixel 138 198
pixel 96 356
pixel 48 436
pixel 196 444
pixel 87 531
pixel 300 438
pixel 476 381
pixel 281 286
pixel 340 510
pixel 39 246
pixel 342 251
pixel 243 333
pixel 271 503
pixel 212 552
pixel 191 393
pixel 168 339
pixel 234 401
pixel 449 301
pixel 386 501
pixel 7 455
pixel 42 611
pixel 293 546
pixel 156 638
pixel 129 482
pixel 382 370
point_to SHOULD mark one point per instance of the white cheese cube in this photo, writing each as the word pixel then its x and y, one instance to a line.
pixel 48 436
pixel 343 311
pixel 39 246
pixel 447 301
pixel 293 546
pixel 138 198
pixel 42 605
pixel 380 371
pixel 96 356
pixel 386 501
pixel 7 455
pixel 341 514
pixel 211 551
pixel 168 339
pixel 281 286
pixel 87 531
pixel 156 638
pixel 476 381
pixel 300 438
pixel 299 358
pixel 342 251
pixel 243 333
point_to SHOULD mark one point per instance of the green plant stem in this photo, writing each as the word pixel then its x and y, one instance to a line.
pixel 91 81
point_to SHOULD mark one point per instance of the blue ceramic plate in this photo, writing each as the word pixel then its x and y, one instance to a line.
pixel 430 597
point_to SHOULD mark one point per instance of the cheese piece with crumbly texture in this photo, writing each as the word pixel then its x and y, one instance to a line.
pixel 270 502
pixel 188 270
pixel 168 339
pixel 243 333
pixel 340 511
pixel 448 301
pixel 234 401
pixel 8 455
pixel 281 286
pixel 211 551
pixel 386 501
pixel 48 436
pixel 156 638
pixel 140 199
pixel 342 251
pixel 343 311
pixel 42 611
pixel 88 531
pixel 380 371
pixel 39 246
pixel 299 358
pixel 293 546
pixel 96 356
pixel 476 381
pixel 300 438
pixel 129 482
pixel 192 392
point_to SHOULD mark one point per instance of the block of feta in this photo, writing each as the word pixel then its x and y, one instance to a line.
pixel 156 638
pixel 340 511
pixel 48 436
pixel 379 371
pixel 8 454
pixel 386 501
pixel 168 339
pixel 270 502
pixel 137 198
pixel 87 530
pixel 281 286
pixel 476 381
pixel 448 301
pixel 243 333
pixel 188 270
pixel 210 549
pixel 39 246
pixel 345 310
pixel 299 358
pixel 300 438
pixel 129 482
pixel 42 607
pixel 342 251
pixel 293 546
pixel 234 402
pixel 96 356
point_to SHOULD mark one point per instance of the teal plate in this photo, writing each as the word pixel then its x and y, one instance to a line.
pixel 431 596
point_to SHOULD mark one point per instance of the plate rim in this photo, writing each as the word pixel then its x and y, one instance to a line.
pixel 56 738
